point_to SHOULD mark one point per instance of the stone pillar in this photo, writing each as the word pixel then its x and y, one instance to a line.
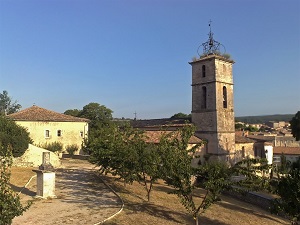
pixel 45 178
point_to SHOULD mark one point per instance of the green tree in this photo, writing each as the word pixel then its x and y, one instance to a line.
pixel 13 135
pixel 295 126
pixel 124 152
pixel 181 116
pixel 251 128
pixel 213 177
pixel 73 112
pixel 96 113
pixel 7 105
pixel 10 205
pixel 177 169
pixel 288 188
pixel 111 149
pixel 148 162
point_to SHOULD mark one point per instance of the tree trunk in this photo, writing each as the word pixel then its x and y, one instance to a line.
pixel 196 221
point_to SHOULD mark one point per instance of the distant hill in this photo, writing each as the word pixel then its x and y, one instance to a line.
pixel 264 119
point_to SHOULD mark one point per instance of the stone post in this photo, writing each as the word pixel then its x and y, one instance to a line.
pixel 45 178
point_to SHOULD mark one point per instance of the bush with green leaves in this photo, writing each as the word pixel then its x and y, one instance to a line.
pixel 10 205
pixel 287 187
pixel 13 135
pixel 53 146
pixel 71 149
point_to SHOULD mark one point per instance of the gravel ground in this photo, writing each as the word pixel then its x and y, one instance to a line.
pixel 82 198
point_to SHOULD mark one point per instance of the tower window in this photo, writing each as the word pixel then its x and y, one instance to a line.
pixel 224 97
pixel 203 71
pixel 243 152
pixel 204 98
pixel 58 133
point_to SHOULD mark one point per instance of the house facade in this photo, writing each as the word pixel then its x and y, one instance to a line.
pixel 46 126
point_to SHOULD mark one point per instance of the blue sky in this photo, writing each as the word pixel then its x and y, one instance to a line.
pixel 133 55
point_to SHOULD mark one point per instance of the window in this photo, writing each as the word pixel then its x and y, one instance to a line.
pixel 203 71
pixel 276 159
pixel 224 68
pixel 243 151
pixel 58 133
pixel 47 134
pixel 203 102
pixel 224 97
pixel 81 133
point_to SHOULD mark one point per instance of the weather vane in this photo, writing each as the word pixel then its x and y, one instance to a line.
pixel 211 47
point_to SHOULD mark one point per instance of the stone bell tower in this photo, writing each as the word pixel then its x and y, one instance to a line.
pixel 212 100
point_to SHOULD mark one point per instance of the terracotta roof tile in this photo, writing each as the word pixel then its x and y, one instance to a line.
pixel 154 137
pixel 287 150
pixel 242 139
pixel 35 113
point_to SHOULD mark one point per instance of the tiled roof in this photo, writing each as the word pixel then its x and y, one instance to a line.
pixel 35 113
pixel 156 123
pixel 261 138
pixel 242 139
pixel 154 137
pixel 287 150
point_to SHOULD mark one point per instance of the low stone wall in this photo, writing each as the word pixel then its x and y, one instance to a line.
pixel 263 201
pixel 83 157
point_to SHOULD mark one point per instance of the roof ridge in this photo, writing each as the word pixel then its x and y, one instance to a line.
pixel 36 113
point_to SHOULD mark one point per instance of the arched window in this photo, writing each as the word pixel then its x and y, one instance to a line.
pixel 224 97
pixel 203 71
pixel 204 94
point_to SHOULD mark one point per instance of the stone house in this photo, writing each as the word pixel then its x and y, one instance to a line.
pixel 155 128
pixel 46 126
pixel 291 153
pixel 244 148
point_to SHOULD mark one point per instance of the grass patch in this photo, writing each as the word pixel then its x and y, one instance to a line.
pixel 166 209
pixel 20 176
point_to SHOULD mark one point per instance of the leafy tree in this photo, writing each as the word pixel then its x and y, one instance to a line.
pixel 111 149
pixel 148 163
pixel 96 113
pixel 73 112
pixel 181 116
pixel 10 205
pixel 177 169
pixel 239 126
pixel 213 177
pixel 288 188
pixel 13 135
pixel 295 125
pixel 124 152
pixel 7 105
pixel 251 128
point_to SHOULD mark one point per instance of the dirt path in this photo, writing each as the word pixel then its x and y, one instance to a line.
pixel 81 199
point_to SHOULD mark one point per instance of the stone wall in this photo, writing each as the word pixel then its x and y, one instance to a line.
pixel 263 201
pixel 33 157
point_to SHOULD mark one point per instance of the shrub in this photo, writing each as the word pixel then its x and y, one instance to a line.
pixel 53 147
pixel 13 135
pixel 71 149
pixel 10 205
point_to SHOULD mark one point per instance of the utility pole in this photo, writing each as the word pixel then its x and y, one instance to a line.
pixel 135 115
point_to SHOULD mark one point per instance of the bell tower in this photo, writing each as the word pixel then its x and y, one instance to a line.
pixel 212 100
